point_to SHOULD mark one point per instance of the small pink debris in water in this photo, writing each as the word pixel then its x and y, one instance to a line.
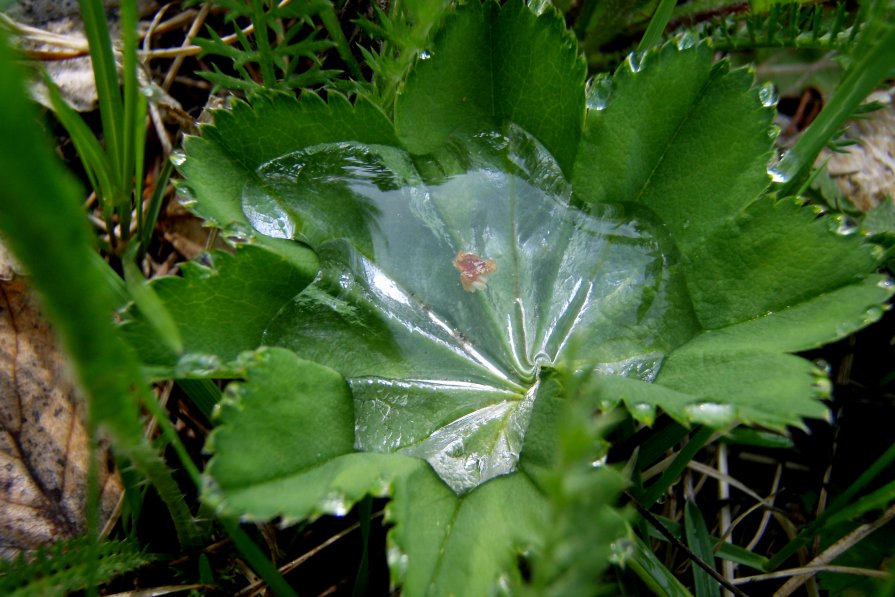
pixel 474 270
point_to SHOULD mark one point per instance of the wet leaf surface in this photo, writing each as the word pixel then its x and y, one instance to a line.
pixel 465 264
pixel 441 368
pixel 43 444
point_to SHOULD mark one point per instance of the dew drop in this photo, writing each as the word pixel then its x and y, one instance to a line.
pixel 779 170
pixel 503 585
pixel 622 550
pixel 178 158
pixel 193 364
pixel 823 386
pixel 686 40
pixel 425 55
pixel 643 412
pixel 185 196
pixel 635 61
pixel 873 314
pixel 823 366
pixel 237 232
pixel 712 414
pixel 777 175
pixel 398 561
pixel 265 213
pixel 334 503
pixel 599 90
pixel 886 284
pixel 767 95
pixel 845 225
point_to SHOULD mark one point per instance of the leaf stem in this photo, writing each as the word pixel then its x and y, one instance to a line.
pixel 265 56
pixel 331 22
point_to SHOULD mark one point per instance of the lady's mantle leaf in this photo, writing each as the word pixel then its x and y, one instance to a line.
pixel 225 308
pixel 284 447
pixel 245 137
pixel 448 281
pixel 286 443
pixel 451 282
pixel 440 369
pixel 690 141
pixel 491 64
pixel 671 131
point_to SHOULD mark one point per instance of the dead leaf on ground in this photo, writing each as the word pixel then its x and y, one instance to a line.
pixel 866 173
pixel 44 446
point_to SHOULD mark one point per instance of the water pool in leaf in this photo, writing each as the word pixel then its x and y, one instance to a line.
pixel 437 371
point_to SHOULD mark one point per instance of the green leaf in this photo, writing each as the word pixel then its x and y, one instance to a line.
pixel 445 367
pixel 717 389
pixel 490 64
pixel 823 318
pixel 772 257
pixel 222 310
pixel 443 544
pixel 244 138
pixel 459 278
pixel 671 131
pixel 440 367
pixel 303 413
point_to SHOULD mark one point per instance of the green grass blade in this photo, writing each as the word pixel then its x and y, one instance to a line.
pixel 727 551
pixel 257 560
pixel 362 580
pixel 837 505
pixel 202 392
pixel 104 70
pixel 876 500
pixel 147 220
pixel 134 114
pixel 658 444
pixel 866 477
pixel 700 543
pixel 657 24
pixel 677 466
pixel 95 160
pixel 150 305
pixel 41 216
pixel 652 572
pixel 863 77
pixel 139 157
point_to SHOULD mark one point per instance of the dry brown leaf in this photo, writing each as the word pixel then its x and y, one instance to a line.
pixel 44 445
pixel 866 173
